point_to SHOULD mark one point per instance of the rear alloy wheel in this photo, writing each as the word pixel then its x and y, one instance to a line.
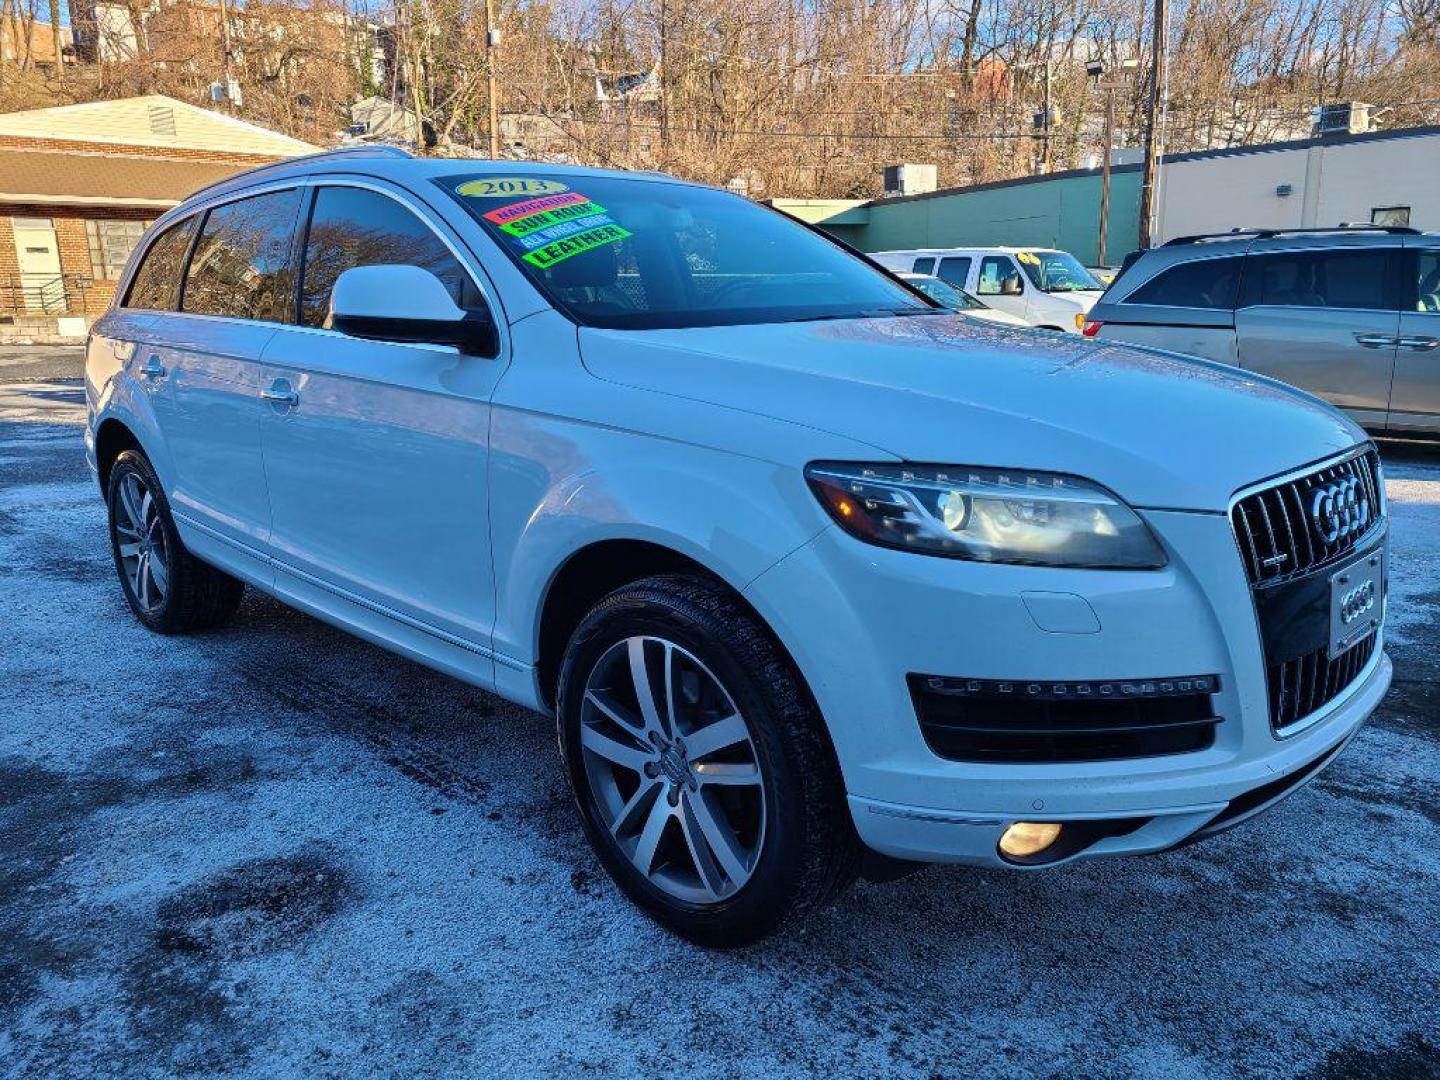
pixel 704 774
pixel 140 542
pixel 672 769
pixel 169 590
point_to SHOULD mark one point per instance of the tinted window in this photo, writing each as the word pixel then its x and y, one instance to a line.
pixel 1204 283
pixel 998 276
pixel 242 261
pixel 643 254
pixel 954 270
pixel 157 282
pixel 925 265
pixel 1428 281
pixel 354 227
pixel 1336 279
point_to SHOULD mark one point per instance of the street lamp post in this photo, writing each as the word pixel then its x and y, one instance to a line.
pixel 1096 70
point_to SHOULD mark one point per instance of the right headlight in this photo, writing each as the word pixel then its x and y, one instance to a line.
pixel 990 515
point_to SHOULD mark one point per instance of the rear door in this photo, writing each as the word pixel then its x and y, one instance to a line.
pixel 204 361
pixel 1325 320
pixel 1415 400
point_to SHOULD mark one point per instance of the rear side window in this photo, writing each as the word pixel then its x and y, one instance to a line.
pixel 243 261
pixel 954 270
pixel 157 282
pixel 1327 279
pixel 1204 283
pixel 924 266
pixel 355 227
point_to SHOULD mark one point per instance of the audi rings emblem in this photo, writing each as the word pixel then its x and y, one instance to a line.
pixel 1340 509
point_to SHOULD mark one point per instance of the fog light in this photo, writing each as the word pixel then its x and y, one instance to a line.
pixel 1026 838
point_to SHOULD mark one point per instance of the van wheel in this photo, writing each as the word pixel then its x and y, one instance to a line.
pixel 705 778
pixel 169 590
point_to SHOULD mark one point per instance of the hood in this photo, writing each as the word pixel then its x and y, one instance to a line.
pixel 1082 299
pixel 1158 429
pixel 994 315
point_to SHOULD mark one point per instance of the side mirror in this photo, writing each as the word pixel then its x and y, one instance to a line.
pixel 407 304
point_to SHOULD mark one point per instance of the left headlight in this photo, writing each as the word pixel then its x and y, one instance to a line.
pixel 990 515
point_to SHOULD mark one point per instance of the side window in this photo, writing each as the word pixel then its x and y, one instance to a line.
pixel 242 265
pixel 1329 279
pixel 924 266
pixel 1204 283
pixel 955 270
pixel 1428 282
pixel 157 282
pixel 355 227
pixel 998 277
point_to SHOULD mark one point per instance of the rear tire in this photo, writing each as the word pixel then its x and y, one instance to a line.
pixel 168 589
pixel 724 815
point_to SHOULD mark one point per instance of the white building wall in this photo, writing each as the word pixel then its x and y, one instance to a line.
pixel 1331 182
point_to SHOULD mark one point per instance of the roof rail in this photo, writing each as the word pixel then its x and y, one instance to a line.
pixel 367 150
pixel 1262 234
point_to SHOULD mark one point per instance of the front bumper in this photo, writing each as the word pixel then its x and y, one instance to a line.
pixel 858 619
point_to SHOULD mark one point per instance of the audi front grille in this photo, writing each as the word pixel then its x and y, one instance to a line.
pixel 1292 535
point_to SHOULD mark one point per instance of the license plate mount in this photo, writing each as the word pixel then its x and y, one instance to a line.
pixel 1357 601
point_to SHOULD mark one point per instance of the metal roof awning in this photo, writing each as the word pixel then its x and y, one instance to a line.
pixel 99 180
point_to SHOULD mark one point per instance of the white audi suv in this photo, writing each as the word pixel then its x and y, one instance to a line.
pixel 816 578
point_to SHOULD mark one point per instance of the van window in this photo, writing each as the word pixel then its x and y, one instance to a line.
pixel 157 281
pixel 954 270
pixel 1203 283
pixel 998 276
pixel 1332 279
pixel 352 227
pixel 925 265
pixel 242 265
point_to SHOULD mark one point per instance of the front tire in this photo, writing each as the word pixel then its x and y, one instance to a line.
pixel 704 775
pixel 168 589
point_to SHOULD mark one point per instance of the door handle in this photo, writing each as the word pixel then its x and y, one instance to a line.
pixel 280 392
pixel 1374 341
pixel 1419 342
pixel 152 368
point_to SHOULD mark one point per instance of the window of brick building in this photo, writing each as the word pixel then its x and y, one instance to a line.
pixel 110 245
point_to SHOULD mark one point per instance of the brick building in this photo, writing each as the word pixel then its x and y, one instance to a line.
pixel 78 184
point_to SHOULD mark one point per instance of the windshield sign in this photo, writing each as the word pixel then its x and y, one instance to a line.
pixel 1056 271
pixel 643 254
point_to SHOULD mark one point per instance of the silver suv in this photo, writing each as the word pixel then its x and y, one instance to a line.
pixel 1350 314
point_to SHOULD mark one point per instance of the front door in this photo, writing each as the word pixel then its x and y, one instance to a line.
pixel 375 452
pixel 1326 321
pixel 1000 284
pixel 42 288
pixel 1415 401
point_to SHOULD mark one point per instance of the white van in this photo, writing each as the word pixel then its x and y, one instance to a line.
pixel 1043 286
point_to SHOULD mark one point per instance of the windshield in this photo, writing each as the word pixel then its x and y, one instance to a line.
pixel 640 254
pixel 1056 271
pixel 944 293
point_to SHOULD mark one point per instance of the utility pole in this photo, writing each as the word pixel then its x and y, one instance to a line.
pixel 1045 153
pixel 225 56
pixel 1152 113
pixel 492 47
pixel 664 72
pixel 1105 171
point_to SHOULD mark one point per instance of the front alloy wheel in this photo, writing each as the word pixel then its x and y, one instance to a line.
pixel 672 769
pixel 704 774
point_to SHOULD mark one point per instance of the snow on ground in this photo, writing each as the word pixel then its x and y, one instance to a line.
pixel 275 850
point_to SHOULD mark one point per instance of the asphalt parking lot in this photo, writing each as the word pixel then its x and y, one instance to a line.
pixel 275 850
